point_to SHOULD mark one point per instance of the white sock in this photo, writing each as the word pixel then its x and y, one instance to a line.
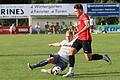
pixel 71 69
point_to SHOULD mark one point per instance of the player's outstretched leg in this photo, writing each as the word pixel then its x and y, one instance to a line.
pixel 40 64
pixel 107 58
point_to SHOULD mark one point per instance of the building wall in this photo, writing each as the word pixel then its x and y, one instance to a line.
pixel 42 21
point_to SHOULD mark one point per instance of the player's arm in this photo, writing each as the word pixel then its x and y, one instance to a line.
pixel 87 25
pixel 54 44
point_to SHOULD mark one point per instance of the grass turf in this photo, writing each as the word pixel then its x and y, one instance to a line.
pixel 17 50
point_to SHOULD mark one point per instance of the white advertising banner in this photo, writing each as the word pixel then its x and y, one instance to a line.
pixel 14 11
pixel 25 10
pixel 53 9
pixel 50 9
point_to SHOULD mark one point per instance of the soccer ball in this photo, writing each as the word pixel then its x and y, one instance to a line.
pixel 55 70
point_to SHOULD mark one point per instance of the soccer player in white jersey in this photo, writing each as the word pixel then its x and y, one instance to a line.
pixel 60 59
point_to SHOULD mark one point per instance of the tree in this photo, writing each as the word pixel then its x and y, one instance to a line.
pixel 75 1
pixel 45 1
pixel 55 1
pixel 15 1
pixel 52 1
pixel 106 1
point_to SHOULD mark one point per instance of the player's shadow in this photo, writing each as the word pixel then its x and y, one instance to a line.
pixel 104 74
pixel 84 75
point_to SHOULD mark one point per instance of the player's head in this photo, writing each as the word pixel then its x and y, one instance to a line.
pixel 69 36
pixel 13 24
pixel 78 8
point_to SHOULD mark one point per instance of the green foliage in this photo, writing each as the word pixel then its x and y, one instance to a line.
pixel 8 22
pixel 106 1
pixel 17 50
pixel 55 1
pixel 45 1
pixel 112 20
pixel 15 1
pixel 108 20
pixel 52 1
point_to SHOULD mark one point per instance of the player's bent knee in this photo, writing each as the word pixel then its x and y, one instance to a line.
pixel 72 51
pixel 88 56
pixel 50 60
pixel 88 59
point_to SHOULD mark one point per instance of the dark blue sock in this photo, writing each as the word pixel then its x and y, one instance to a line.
pixel 72 60
pixel 97 57
pixel 40 64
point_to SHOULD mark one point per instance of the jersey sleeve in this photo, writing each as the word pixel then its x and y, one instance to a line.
pixel 85 17
pixel 62 42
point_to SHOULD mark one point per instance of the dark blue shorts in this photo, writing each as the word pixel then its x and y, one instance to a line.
pixel 85 44
pixel 59 62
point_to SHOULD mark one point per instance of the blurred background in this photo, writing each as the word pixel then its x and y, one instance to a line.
pixel 56 16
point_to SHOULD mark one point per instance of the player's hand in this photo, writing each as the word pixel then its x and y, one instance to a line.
pixel 49 44
pixel 75 24
pixel 76 35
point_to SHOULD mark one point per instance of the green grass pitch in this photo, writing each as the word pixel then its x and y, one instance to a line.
pixel 17 50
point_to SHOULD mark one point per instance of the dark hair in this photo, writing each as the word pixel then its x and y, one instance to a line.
pixel 70 32
pixel 78 6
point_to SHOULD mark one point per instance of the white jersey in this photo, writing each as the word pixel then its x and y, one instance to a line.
pixel 37 26
pixel 64 50
pixel 91 21
pixel 12 28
